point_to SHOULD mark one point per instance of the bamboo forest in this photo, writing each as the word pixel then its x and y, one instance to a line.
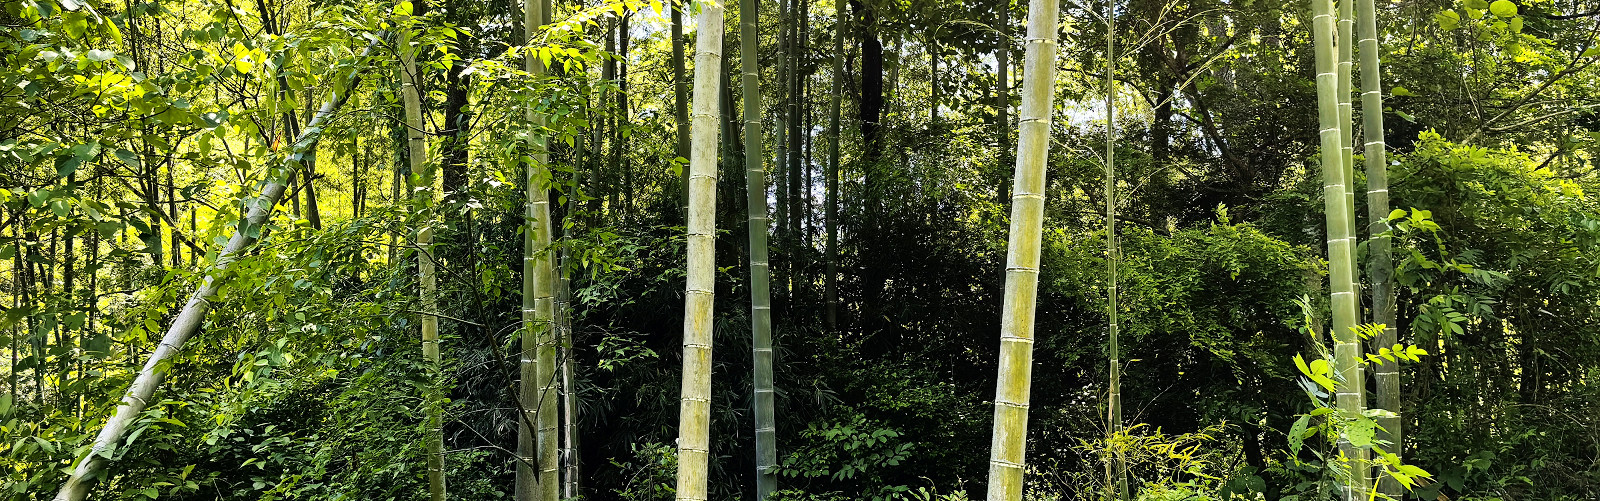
pixel 800 250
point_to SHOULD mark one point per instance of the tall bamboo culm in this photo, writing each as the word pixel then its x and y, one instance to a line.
pixel 188 320
pixel 760 274
pixel 830 210
pixel 1116 468
pixel 1341 239
pixel 1009 445
pixel 537 442
pixel 422 199
pixel 694 408
pixel 1380 264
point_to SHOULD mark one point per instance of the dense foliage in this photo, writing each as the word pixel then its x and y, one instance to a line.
pixel 134 136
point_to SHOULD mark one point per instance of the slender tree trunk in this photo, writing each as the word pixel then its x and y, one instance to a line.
pixel 422 201
pixel 799 134
pixel 188 320
pixel 781 144
pixel 1002 105
pixel 694 412
pixel 1116 466
pixel 626 168
pixel 933 80
pixel 830 205
pixel 760 298
pixel 680 94
pixel 1006 455
pixel 1380 263
pixel 537 442
pixel 1340 236
pixel 1344 42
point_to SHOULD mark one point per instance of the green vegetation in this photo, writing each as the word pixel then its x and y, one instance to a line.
pixel 1030 250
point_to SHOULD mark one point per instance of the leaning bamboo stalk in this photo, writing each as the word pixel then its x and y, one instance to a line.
pixel 1006 456
pixel 258 211
pixel 1380 264
pixel 760 275
pixel 694 411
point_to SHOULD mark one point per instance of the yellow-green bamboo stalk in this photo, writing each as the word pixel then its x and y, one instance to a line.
pixel 421 180
pixel 537 442
pixel 1341 240
pixel 760 275
pixel 1009 441
pixel 1380 264
pixel 694 409
pixel 1116 467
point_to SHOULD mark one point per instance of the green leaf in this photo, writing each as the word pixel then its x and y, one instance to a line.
pixel 1400 91
pixel 1503 8
pixel 1476 4
pixel 1301 363
pixel 128 158
pixel 1297 434
pixel 1448 20
pixel 402 9
pixel 1361 432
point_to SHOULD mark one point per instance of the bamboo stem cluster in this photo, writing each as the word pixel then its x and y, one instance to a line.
pixel 1333 116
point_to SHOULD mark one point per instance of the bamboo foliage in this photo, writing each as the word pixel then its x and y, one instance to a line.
pixel 1341 240
pixel 1380 264
pixel 1006 456
pixel 258 212
pixel 760 274
pixel 694 411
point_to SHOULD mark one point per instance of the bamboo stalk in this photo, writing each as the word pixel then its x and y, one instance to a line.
pixel 694 412
pixel 1006 455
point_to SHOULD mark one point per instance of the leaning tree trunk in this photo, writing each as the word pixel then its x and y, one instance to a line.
pixel 831 197
pixel 1006 453
pixel 1380 264
pixel 258 211
pixel 760 275
pixel 536 432
pixel 1341 241
pixel 694 411
pixel 422 199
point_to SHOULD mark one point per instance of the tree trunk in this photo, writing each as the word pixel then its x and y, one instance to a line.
pixel 1002 105
pixel 1341 242
pixel 623 119
pixel 537 443
pixel 1006 455
pixel 422 201
pixel 694 413
pixel 799 135
pixel 1380 263
pixel 188 320
pixel 680 94
pixel 781 163
pixel 1116 466
pixel 830 205
pixel 760 298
